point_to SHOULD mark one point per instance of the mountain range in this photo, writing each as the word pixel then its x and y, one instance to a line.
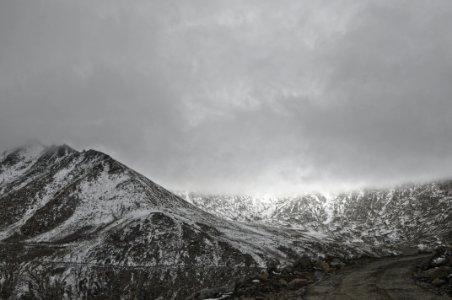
pixel 409 216
pixel 83 225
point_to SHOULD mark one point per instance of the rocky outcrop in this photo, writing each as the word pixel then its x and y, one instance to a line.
pixel 289 282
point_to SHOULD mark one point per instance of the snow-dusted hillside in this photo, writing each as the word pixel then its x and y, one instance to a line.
pixel 407 216
pixel 79 224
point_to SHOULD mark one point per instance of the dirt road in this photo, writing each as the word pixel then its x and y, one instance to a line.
pixel 383 279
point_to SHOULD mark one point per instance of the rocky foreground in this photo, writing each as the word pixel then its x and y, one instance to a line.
pixel 274 283
pixel 331 279
pixel 436 273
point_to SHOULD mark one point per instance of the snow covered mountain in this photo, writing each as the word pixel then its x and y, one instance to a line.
pixel 405 217
pixel 81 224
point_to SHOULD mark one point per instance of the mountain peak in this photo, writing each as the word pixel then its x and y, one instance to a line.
pixel 33 149
pixel 96 154
pixel 60 150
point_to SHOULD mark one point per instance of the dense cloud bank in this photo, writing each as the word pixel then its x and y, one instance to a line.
pixel 236 96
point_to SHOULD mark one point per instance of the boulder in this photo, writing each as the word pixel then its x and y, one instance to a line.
pixel 324 266
pixel 303 263
pixel 282 282
pixel 248 290
pixel 306 275
pixel 439 261
pixel 263 276
pixel 438 272
pixel 287 270
pixel 337 263
pixel 300 292
pixel 297 283
pixel 273 266
pixel 438 282
pixel 209 293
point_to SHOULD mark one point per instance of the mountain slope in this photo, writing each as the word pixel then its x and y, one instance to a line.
pixel 404 217
pixel 80 224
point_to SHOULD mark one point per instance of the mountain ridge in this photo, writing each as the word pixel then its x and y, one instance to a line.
pixel 71 215
pixel 401 214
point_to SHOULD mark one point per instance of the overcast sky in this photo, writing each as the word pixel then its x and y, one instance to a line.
pixel 236 96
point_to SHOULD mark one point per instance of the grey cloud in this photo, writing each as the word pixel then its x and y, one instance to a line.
pixel 236 96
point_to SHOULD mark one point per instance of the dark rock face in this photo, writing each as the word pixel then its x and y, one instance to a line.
pixel 52 214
